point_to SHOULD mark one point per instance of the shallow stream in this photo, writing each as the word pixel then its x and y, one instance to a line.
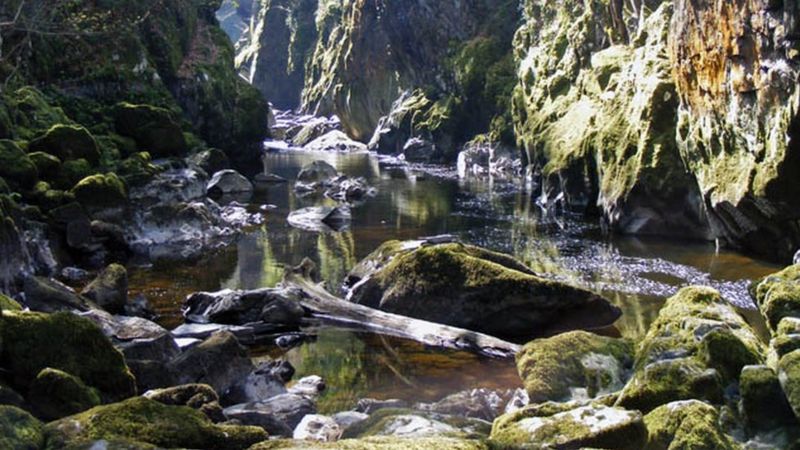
pixel 414 201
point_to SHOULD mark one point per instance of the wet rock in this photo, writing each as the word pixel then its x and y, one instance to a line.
pixel 196 396
pixel 83 351
pixel 419 150
pixel 317 172
pixel 313 129
pixel 228 182
pixel 686 424
pixel 760 392
pixel 265 306
pixel 317 428
pixel 266 381
pixel 211 161
pixel 574 366
pixel 347 419
pixel 335 141
pixel 139 306
pixel 48 295
pixel 490 158
pixel 414 424
pixel 698 344
pixel 147 421
pixel 383 443
pixel 220 362
pixel 321 218
pixel 287 409
pixel 587 426
pixel 350 190
pixel 19 430
pixel 472 288
pixel 778 295
pixel 124 328
pixel 312 387
pixel 484 404
pixel 74 274
pixel 55 394
pixel 110 289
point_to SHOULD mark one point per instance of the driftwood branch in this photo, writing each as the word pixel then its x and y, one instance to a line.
pixel 329 309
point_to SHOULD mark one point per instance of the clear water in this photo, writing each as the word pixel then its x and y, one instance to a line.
pixel 414 201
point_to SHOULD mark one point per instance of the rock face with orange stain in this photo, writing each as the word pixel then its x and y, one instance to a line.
pixel 736 63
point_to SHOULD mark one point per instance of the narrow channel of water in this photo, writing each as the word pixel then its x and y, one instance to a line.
pixel 637 274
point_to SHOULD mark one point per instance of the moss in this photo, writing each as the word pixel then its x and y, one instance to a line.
pixel 589 426
pixel 19 430
pixel 550 367
pixel 138 167
pixel 72 172
pixel 68 142
pixel 63 341
pixel 15 166
pixel 379 421
pixel 55 394
pixel 32 113
pixel 763 403
pixel 789 376
pixel 46 164
pixel 8 304
pixel 377 443
pixel 143 420
pixel 778 295
pixel 153 129
pixel 726 352
pixel 686 426
pixel 101 191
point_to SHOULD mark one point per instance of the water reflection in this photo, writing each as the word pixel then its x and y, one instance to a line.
pixel 636 274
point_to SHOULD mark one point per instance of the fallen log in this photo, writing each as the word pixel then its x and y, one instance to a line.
pixel 329 309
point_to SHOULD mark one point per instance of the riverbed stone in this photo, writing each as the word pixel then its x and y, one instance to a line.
pixel 315 427
pixel 574 366
pixel 335 141
pixel 481 403
pixel 587 426
pixel 152 127
pixel 689 424
pixel 778 295
pixel 278 415
pixel 763 403
pixel 228 182
pixel 698 344
pixel 101 191
pixel 317 172
pixel 469 287
pixel 220 361
pixel 55 394
pixel 109 289
pixel 15 166
pixel 29 346
pixel 416 424
pixel 143 420
pixel 48 295
pixel 266 381
pixel 268 306
pixel 67 142
pixel 196 396
pixel 378 443
pixel 19 430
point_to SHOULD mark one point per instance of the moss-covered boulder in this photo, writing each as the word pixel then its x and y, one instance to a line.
pixel 778 295
pixel 19 430
pixel 32 342
pixel 698 344
pixel 574 366
pixel 55 394
pixel 201 397
pixel 789 376
pixel 101 191
pixel 549 426
pixel 47 165
pixel 109 289
pixel 763 404
pixel 377 443
pixel 9 304
pixel 67 142
pixel 15 166
pixel 153 129
pixel 686 425
pixel 473 288
pixel 142 420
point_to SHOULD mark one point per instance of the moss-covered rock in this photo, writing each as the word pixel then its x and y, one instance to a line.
pixel 72 172
pixel 541 426
pixel 153 129
pixel 19 430
pixel 687 425
pixel 574 366
pixel 32 342
pixel 67 142
pixel 472 288
pixel 55 394
pixel 698 344
pixel 763 403
pixel 47 165
pixel 109 289
pixel 778 295
pixel 414 424
pixel 9 304
pixel 377 443
pixel 31 113
pixel 789 376
pixel 201 397
pixel 141 420
pixel 101 191
pixel 15 166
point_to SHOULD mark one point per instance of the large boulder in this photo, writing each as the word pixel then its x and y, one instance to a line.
pixel 140 420
pixel 153 128
pixel 228 182
pixel 278 415
pixel 778 296
pixel 68 142
pixel 686 425
pixel 335 141
pixel 472 288
pixel 32 342
pixel 698 344
pixel 19 430
pixel 55 394
pixel 101 191
pixel 269 306
pixel 760 392
pixel 574 366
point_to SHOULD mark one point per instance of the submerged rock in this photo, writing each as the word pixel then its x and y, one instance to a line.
pixel 549 426
pixel 574 366
pixel 472 288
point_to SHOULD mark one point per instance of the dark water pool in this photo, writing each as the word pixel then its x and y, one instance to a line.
pixel 637 274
